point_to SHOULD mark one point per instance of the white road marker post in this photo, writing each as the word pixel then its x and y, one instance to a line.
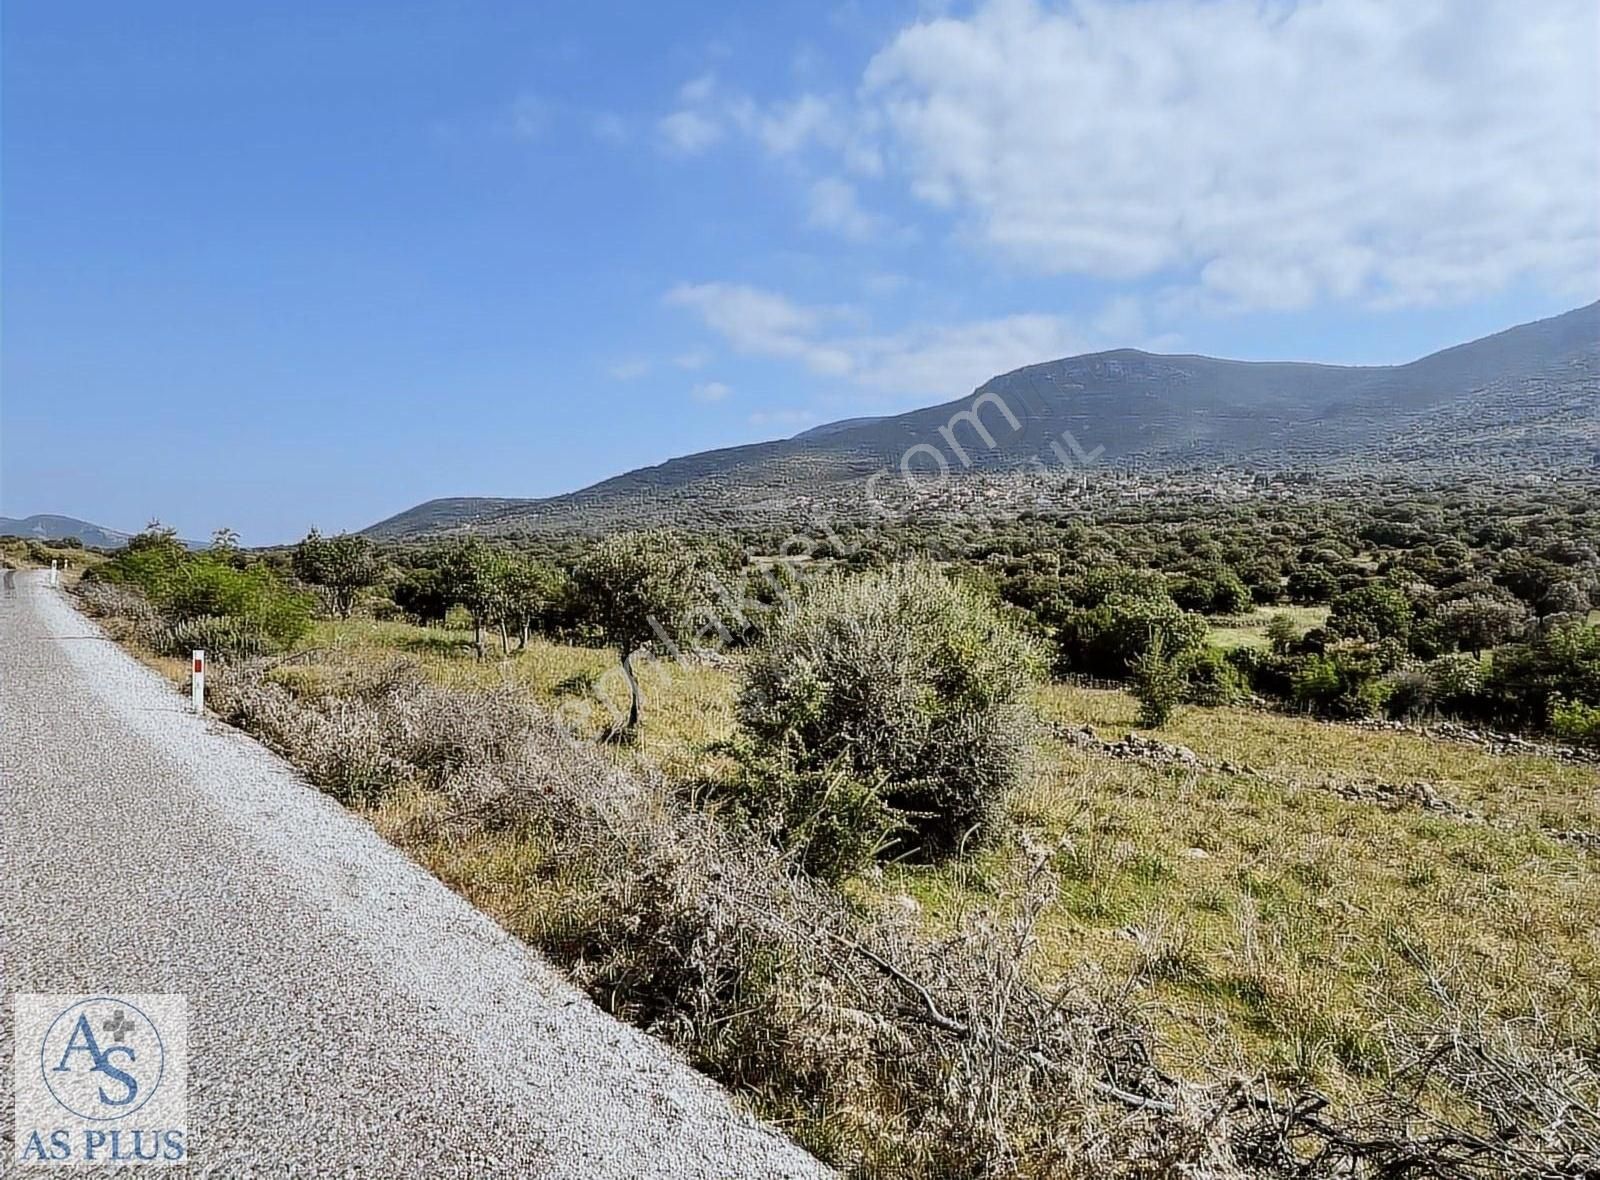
pixel 55 574
pixel 197 683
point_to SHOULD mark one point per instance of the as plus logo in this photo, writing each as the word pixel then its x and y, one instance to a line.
pixel 101 1079
pixel 102 1058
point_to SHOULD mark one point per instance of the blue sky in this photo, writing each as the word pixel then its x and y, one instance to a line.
pixel 276 265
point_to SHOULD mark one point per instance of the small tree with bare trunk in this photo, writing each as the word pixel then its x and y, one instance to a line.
pixel 635 587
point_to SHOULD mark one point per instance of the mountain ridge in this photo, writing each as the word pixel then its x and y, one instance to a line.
pixel 1151 410
pixel 45 526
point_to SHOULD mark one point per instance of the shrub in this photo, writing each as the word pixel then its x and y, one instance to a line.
pixel 1211 679
pixel 1372 612
pixel 247 610
pixel 830 821
pixel 1480 621
pixel 221 636
pixel 1282 634
pixel 1309 585
pixel 1455 682
pixel 1575 721
pixel 376 730
pixel 1344 681
pixel 908 685
pixel 422 595
pixel 1108 638
pixel 1523 678
pixel 1316 683
pixel 255 597
pixel 1157 685
pixel 1410 695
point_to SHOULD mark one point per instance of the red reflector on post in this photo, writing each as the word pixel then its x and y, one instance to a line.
pixel 199 665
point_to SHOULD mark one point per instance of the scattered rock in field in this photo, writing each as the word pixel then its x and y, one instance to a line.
pixel 1589 841
pixel 1488 740
pixel 1394 796
pixel 1398 795
pixel 1197 854
pixel 1134 746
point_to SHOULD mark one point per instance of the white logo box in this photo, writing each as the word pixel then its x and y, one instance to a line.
pixel 101 1079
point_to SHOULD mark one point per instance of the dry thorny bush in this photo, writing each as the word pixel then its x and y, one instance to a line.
pixel 886 1050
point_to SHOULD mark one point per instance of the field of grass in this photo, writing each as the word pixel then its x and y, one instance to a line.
pixel 1271 923
pixel 1251 630
pixel 1259 919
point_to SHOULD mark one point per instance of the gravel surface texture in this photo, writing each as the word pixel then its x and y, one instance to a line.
pixel 348 1014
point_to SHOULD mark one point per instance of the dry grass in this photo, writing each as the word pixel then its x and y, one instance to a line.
pixel 1266 921
pixel 687 707
pixel 1256 920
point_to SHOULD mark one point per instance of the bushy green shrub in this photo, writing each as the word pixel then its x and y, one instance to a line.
pixel 1157 685
pixel 1524 678
pixel 1209 678
pixel 244 609
pixel 1372 612
pixel 829 820
pixel 903 683
pixel 1344 681
pixel 1575 721
pixel 1455 682
pixel 1108 638
pixel 256 596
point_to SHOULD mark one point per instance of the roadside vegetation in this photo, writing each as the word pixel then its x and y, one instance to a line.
pixel 853 835
pixel 36 553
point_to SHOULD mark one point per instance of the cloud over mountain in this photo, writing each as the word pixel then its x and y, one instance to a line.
pixel 1271 154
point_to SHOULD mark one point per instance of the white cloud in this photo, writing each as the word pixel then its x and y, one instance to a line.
pixel 951 360
pixel 710 391
pixel 707 112
pixel 628 370
pixel 927 362
pixel 1285 153
pixel 833 206
pixel 689 132
pixel 692 360
pixel 788 127
pixel 761 323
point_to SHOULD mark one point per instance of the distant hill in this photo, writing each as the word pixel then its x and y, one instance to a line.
pixel 46 527
pixel 1528 395
pixel 56 528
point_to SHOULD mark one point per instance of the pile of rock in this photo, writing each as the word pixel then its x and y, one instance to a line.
pixel 1398 795
pixel 1134 746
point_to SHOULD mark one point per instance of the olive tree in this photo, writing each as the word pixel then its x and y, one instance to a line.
pixel 1481 621
pixel 529 591
pixel 475 575
pixel 634 587
pixel 340 567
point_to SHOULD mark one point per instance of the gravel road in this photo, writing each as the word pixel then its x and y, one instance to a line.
pixel 348 1015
